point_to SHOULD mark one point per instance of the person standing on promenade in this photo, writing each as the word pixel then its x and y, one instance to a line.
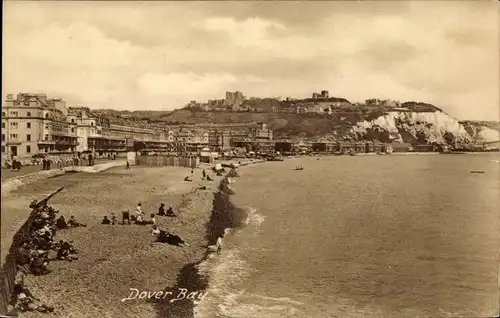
pixel 128 165
pixel 204 174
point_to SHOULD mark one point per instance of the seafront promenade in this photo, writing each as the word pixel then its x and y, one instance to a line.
pixel 9 173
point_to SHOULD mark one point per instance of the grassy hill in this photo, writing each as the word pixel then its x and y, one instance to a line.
pixel 283 124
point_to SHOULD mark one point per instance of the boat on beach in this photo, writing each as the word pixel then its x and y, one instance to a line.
pixel 299 168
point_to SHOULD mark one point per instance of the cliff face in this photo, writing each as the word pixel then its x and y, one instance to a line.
pixel 422 127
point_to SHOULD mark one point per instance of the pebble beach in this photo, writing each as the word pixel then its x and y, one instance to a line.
pixel 113 259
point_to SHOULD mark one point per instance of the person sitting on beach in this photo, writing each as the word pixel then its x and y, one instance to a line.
pixel 66 252
pixel 23 255
pixel 139 215
pixel 209 179
pixel 139 219
pixel 43 242
pixel 33 204
pixel 161 209
pixel 61 223
pixel 105 220
pixel 155 231
pixel 172 239
pixel 170 212
pixel 25 301
pixel 113 219
pixel 73 223
pixel 187 178
pixel 40 265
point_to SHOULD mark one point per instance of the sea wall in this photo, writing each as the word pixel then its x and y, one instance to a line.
pixel 97 168
pixel 14 183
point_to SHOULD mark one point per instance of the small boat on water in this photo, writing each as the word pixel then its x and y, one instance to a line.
pixel 299 168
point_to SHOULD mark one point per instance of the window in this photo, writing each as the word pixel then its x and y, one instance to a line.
pixel 3 137
pixel 14 114
pixel 3 125
pixel 91 123
pixel 13 125
pixel 46 137
pixel 28 149
pixel 13 136
pixel 3 149
pixel 28 125
pixel 72 120
pixel 47 115
pixel 28 137
pixel 28 114
pixel 72 130
pixel 3 115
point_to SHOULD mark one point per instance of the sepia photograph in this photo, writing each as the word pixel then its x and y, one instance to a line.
pixel 250 159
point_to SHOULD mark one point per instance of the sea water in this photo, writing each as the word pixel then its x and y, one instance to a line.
pixel 362 236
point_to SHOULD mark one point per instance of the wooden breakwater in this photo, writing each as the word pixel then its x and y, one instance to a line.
pixel 161 160
pixel 9 268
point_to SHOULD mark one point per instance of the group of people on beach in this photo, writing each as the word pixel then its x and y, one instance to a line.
pixel 33 254
pixel 205 176
pixel 139 218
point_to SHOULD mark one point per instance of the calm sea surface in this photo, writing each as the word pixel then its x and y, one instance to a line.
pixel 378 236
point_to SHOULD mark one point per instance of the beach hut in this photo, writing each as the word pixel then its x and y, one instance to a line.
pixel 206 156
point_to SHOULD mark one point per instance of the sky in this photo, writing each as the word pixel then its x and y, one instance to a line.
pixel 161 55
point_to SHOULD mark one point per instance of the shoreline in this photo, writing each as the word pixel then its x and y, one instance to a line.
pixel 225 215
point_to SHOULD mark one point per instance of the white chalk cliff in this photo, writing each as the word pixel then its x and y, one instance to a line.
pixel 429 127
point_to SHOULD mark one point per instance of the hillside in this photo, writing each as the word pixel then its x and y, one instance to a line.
pixel 149 115
pixel 412 122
